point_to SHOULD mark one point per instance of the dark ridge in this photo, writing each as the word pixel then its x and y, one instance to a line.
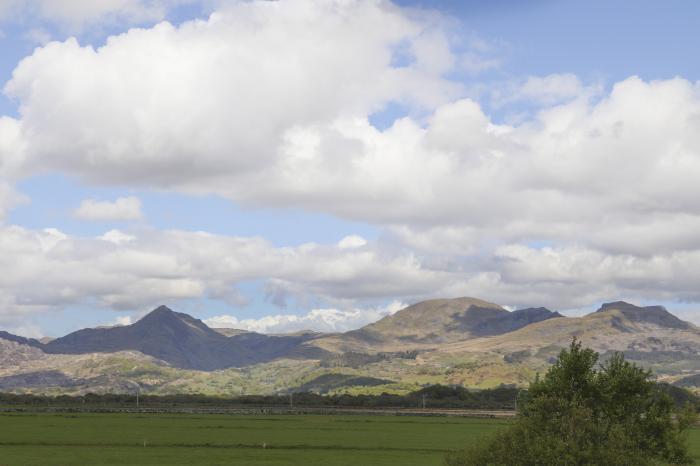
pixel 22 340
pixel 327 382
pixel 476 318
pixel 515 320
pixel 657 315
pixel 619 305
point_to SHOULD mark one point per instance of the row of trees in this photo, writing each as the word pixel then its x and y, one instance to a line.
pixel 436 396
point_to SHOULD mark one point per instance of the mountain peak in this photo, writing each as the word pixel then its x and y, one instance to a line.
pixel 164 312
pixel 161 310
pixel 657 315
pixel 163 316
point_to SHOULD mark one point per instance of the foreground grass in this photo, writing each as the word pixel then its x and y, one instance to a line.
pixel 65 439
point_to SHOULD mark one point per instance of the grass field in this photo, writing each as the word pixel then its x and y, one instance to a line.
pixel 65 439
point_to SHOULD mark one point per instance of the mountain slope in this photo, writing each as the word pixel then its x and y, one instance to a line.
pixel 650 337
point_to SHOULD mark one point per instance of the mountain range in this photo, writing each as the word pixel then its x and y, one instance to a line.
pixel 463 341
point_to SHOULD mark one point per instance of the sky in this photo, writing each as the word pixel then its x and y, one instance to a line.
pixel 319 164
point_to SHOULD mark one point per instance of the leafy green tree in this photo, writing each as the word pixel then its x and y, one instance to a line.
pixel 578 414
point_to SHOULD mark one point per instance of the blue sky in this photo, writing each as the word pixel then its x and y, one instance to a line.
pixel 348 219
pixel 612 39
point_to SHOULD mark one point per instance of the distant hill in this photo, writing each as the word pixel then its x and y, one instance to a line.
pixel 617 326
pixel 180 340
pixel 170 336
pixel 436 322
pixel 444 320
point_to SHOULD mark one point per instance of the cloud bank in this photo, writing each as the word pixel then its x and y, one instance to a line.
pixel 322 320
pixel 591 197
pixel 138 270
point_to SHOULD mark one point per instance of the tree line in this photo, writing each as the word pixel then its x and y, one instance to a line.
pixel 434 396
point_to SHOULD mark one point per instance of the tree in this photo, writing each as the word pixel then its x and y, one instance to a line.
pixel 613 415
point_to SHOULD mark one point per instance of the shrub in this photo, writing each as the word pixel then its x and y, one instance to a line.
pixel 579 415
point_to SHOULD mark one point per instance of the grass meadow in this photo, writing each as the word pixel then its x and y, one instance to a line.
pixel 178 439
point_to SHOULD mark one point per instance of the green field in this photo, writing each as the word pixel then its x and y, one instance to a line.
pixel 64 439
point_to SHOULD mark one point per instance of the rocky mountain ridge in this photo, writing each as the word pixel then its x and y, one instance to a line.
pixel 464 341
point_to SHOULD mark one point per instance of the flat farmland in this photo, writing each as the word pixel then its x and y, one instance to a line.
pixel 62 439
pixel 178 439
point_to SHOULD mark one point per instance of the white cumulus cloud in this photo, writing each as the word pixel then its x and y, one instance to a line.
pixel 123 208
pixel 213 99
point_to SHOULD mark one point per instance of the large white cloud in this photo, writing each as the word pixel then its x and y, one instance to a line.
pixel 212 100
pixel 277 130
